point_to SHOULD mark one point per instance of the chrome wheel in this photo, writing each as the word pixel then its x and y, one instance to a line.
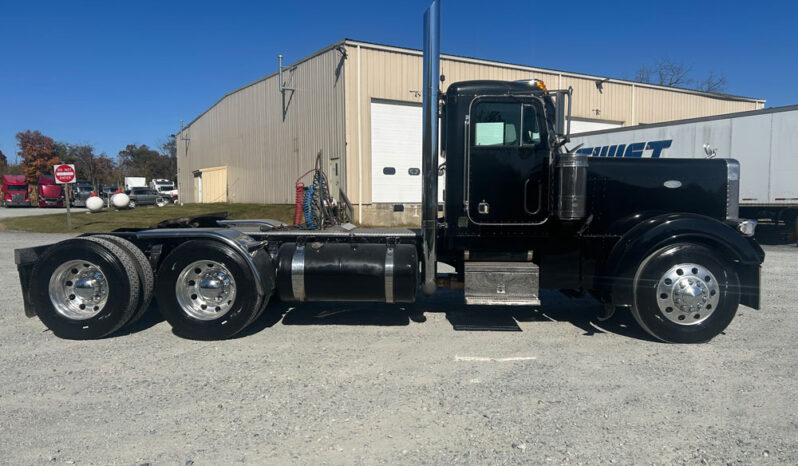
pixel 78 290
pixel 687 294
pixel 205 290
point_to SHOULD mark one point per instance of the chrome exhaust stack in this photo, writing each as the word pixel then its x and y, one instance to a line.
pixel 429 162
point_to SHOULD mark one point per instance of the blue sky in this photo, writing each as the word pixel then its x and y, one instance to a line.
pixel 111 73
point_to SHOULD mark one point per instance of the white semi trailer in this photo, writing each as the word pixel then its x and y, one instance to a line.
pixel 135 182
pixel 765 142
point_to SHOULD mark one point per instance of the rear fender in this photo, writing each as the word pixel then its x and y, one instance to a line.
pixel 260 265
pixel 659 231
pixel 26 259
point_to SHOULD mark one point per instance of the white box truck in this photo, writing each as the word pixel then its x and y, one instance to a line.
pixel 765 142
pixel 135 182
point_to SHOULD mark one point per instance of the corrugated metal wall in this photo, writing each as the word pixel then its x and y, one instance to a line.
pixel 391 73
pixel 265 153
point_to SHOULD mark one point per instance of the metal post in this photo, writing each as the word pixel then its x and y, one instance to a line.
pixel 68 192
pixel 429 161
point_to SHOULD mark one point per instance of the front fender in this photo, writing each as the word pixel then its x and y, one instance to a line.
pixel 659 231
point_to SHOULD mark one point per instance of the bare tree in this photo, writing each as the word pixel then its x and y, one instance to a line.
pixel 666 72
pixel 713 83
pixel 669 72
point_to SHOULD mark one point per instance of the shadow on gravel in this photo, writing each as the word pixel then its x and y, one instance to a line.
pixel 150 319
pixel 770 234
pixel 583 313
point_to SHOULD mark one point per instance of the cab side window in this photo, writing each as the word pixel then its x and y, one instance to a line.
pixel 496 124
pixel 505 124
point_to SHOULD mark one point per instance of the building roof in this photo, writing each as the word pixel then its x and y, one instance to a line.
pixel 465 59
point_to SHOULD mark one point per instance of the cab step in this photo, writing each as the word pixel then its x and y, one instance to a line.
pixel 502 283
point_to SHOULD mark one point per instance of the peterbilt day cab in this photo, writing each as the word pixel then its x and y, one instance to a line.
pixel 15 191
pixel 520 212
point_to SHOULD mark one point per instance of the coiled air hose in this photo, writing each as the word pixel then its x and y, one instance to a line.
pixel 308 208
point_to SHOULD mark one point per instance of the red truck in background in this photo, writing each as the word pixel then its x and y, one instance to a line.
pixel 50 193
pixel 15 191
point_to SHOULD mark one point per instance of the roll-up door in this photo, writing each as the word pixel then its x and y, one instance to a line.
pixel 396 153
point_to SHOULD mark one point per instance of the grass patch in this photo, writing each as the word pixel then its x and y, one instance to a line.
pixel 141 217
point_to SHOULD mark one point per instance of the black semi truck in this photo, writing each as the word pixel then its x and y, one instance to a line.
pixel 521 212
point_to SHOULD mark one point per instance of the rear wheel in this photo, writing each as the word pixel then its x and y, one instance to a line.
pixel 131 204
pixel 206 291
pixel 144 272
pixel 84 288
pixel 685 293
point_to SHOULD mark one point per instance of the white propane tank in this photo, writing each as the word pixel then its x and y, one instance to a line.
pixel 120 200
pixel 94 204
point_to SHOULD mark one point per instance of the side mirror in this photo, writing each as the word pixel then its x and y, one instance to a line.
pixel 563 109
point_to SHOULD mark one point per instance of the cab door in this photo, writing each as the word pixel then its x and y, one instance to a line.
pixel 508 162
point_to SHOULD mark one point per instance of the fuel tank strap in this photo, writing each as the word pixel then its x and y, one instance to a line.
pixel 389 275
pixel 298 273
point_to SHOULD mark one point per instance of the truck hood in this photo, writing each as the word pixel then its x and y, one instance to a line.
pixel 50 190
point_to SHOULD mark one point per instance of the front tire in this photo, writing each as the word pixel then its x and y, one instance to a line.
pixel 685 293
pixel 206 291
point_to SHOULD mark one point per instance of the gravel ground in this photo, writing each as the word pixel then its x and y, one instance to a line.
pixel 12 212
pixel 378 384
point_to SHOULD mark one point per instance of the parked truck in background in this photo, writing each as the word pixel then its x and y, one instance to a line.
pixel 80 192
pixel 659 237
pixel 165 188
pixel 135 182
pixel 48 192
pixel 15 191
pixel 765 142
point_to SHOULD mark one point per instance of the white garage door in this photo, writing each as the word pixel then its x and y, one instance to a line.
pixel 396 153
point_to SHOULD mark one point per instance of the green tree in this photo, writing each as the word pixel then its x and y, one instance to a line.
pixel 143 161
pixel 169 149
pixel 104 170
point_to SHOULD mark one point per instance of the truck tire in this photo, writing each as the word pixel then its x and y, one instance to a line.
pixel 84 288
pixel 685 293
pixel 145 273
pixel 205 290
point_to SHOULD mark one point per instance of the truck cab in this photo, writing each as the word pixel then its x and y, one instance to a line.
pixel 50 193
pixel 15 191
pixel 165 188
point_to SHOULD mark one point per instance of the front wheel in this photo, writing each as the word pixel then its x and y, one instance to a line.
pixel 685 293
pixel 131 204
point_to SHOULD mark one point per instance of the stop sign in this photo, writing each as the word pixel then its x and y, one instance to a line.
pixel 64 173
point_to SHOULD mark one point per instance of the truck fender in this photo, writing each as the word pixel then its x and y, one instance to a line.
pixel 260 265
pixel 659 231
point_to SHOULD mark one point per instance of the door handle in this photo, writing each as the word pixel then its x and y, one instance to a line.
pixel 540 198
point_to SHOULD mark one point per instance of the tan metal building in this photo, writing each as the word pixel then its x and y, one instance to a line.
pixel 359 104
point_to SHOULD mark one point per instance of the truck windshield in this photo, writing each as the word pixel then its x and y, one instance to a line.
pixel 17 187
